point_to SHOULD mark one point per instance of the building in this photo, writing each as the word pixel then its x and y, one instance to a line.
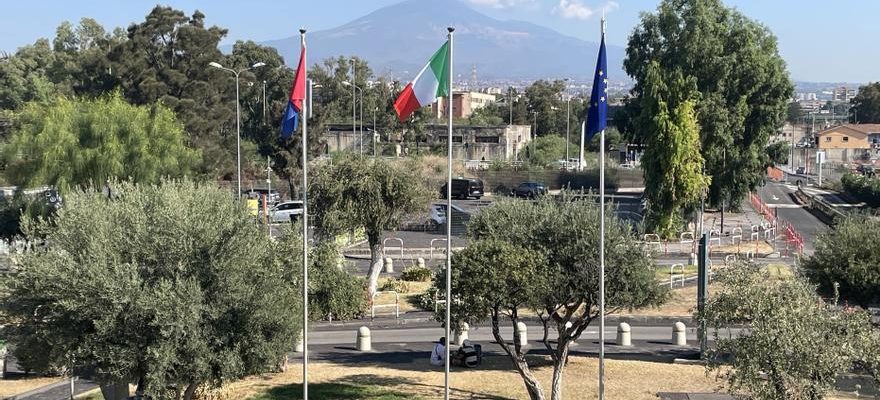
pixel 849 142
pixel 485 143
pixel 463 104
pixel 843 94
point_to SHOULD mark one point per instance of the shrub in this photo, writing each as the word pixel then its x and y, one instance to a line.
pixel 416 274
pixel 395 285
pixel 336 293
pixel 862 188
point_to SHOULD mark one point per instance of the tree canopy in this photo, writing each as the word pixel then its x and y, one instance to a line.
pixel 169 285
pixel 374 194
pixel 70 142
pixel 866 105
pixel 544 256
pixel 741 78
pixel 795 346
pixel 672 163
pixel 846 256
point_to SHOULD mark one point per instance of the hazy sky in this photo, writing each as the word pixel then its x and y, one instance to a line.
pixel 820 40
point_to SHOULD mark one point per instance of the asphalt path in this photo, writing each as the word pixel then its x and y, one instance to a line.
pixel 780 198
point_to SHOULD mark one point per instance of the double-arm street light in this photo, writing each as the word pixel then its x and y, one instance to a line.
pixel 237 113
pixel 353 116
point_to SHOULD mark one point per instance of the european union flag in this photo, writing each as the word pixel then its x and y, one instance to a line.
pixel 598 111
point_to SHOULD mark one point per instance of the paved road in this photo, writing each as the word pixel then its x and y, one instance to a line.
pixel 779 196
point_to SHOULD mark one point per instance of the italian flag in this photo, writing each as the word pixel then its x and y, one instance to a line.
pixel 431 82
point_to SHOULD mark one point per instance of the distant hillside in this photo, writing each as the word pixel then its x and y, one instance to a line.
pixel 399 39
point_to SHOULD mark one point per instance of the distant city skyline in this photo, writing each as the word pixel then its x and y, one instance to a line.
pixel 820 42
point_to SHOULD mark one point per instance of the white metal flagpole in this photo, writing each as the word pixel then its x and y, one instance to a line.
pixel 305 224
pixel 602 253
pixel 581 154
pixel 448 220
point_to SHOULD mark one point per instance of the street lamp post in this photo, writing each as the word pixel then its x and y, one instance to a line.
pixel 567 129
pixel 375 135
pixel 354 115
pixel 237 113
pixel 534 134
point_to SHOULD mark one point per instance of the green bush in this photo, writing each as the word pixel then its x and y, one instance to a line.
pixel 848 256
pixel 862 188
pixel 416 274
pixel 335 293
pixel 395 285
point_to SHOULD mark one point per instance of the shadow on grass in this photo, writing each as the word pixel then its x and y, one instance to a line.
pixel 333 391
pixel 371 379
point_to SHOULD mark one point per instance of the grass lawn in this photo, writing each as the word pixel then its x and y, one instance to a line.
pixel 14 384
pixel 495 380
pixel 408 300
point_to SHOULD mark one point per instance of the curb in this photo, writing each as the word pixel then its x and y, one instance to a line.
pixel 638 320
pixel 41 389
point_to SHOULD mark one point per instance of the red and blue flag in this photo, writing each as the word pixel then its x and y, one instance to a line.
pixel 295 102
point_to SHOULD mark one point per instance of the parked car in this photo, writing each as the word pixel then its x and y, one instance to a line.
pixel 286 211
pixel 463 188
pixel 530 190
pixel 800 170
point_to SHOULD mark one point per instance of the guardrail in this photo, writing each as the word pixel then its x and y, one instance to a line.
pixel 820 205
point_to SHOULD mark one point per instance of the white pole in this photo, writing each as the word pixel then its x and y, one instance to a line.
pixel 305 224
pixel 602 253
pixel 581 154
pixel 448 220
pixel 238 135
pixel 567 130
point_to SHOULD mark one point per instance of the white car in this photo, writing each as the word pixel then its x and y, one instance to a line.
pixel 282 212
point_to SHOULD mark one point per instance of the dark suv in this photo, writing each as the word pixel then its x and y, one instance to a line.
pixel 463 188
pixel 530 189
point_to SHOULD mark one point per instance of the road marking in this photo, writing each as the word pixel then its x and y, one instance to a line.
pixel 785 206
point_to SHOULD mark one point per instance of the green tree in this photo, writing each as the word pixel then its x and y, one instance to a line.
pixel 777 153
pixel 795 345
pixel 673 166
pixel 845 257
pixel 544 151
pixel 794 113
pixel 544 256
pixel 743 84
pixel 165 58
pixel 66 143
pixel 171 286
pixel 374 194
pixel 866 105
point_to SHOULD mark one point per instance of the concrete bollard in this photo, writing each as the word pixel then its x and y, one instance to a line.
pixel 462 333
pixel 521 336
pixel 389 265
pixel 624 334
pixel 364 343
pixel 298 345
pixel 679 334
pixel 420 262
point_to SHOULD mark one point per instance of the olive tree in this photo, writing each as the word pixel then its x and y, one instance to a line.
pixel 544 256
pixel 171 285
pixel 374 194
pixel 847 257
pixel 794 345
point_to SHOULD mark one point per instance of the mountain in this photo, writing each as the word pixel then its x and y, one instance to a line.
pixel 399 39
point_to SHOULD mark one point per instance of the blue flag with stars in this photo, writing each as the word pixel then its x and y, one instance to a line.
pixel 598 111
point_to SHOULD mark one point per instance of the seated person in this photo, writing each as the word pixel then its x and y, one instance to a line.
pixel 439 352
pixel 468 355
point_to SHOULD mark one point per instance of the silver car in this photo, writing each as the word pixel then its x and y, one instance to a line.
pixel 286 211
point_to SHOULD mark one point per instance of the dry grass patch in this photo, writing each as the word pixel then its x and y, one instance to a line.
pixel 17 384
pixel 494 380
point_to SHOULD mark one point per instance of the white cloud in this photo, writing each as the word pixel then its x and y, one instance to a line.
pixel 574 9
pixel 500 3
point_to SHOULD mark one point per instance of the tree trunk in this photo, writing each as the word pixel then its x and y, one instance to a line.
pixel 533 387
pixel 375 262
pixel 190 391
pixel 558 368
